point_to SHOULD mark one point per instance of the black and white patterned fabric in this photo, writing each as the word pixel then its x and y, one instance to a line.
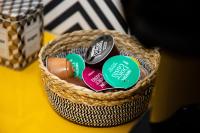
pixel 61 16
pixel 18 9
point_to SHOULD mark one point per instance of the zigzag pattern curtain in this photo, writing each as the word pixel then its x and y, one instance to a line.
pixel 62 16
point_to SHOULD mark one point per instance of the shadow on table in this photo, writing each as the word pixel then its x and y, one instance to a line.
pixel 185 120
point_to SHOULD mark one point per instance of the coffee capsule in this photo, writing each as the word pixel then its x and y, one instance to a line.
pixel 93 78
pixel 100 50
pixel 76 81
pixel 121 72
pixel 60 67
pixel 77 63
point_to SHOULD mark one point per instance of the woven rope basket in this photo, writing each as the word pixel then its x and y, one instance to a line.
pixel 86 107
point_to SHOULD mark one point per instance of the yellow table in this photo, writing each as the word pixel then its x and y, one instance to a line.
pixel 24 106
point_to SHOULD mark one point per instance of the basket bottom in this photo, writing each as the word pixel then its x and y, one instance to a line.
pixel 99 116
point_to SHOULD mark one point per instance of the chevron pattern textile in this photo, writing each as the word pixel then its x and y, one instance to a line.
pixel 62 16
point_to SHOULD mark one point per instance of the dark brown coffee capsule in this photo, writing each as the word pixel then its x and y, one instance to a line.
pixel 100 50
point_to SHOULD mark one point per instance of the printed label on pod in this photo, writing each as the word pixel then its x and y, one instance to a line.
pixel 93 78
pixel 32 38
pixel 99 49
pixel 77 63
pixel 4 50
pixel 121 72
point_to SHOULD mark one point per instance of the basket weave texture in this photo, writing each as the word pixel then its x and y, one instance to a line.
pixel 86 107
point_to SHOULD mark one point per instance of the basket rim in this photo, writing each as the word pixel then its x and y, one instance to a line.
pixel 82 91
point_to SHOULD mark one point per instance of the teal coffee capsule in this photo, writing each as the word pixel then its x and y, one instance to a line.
pixel 77 63
pixel 121 72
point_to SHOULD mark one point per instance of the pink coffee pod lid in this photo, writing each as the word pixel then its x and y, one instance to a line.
pixel 93 78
